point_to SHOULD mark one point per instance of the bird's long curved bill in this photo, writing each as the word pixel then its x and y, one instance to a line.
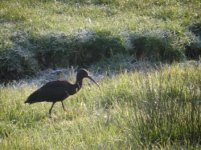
pixel 93 81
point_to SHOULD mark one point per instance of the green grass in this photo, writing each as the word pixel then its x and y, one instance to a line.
pixel 115 15
pixel 150 108
pixel 139 106
pixel 35 33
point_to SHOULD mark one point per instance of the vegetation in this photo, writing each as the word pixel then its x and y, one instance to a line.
pixel 150 97
pixel 156 108
pixel 40 34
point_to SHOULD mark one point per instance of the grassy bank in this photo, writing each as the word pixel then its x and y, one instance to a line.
pixel 44 34
pixel 155 108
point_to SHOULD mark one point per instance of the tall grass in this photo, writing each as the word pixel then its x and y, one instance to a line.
pixel 155 108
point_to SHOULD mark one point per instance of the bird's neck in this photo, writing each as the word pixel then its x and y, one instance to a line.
pixel 78 84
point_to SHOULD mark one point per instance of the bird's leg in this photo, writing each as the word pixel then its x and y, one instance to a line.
pixel 63 106
pixel 50 110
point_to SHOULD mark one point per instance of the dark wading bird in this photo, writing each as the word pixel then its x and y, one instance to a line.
pixel 55 91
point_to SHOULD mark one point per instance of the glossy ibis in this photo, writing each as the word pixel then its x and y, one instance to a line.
pixel 55 91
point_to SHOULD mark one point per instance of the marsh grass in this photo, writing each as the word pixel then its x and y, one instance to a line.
pixel 159 108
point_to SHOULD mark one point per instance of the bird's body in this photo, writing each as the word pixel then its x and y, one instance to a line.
pixel 52 92
pixel 55 91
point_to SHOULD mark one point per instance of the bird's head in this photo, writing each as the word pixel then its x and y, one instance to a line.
pixel 83 73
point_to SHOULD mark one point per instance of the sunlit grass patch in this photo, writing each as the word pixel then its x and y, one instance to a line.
pixel 158 107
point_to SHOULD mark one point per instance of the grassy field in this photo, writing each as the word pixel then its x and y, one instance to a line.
pixel 150 95
pixel 151 108
pixel 115 16
pixel 40 34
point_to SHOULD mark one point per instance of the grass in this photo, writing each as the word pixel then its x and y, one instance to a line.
pixel 155 108
pixel 69 15
pixel 35 33
pixel 139 106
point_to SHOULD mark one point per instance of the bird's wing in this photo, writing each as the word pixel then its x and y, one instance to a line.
pixel 52 91
pixel 57 83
